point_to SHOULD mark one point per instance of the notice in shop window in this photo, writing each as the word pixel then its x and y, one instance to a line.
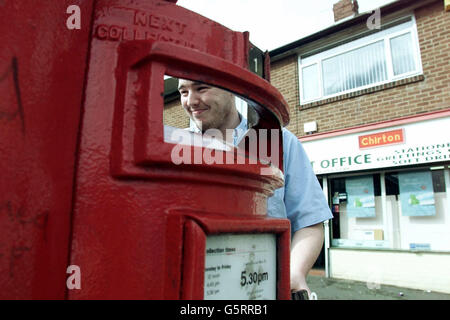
pixel 361 197
pixel 416 193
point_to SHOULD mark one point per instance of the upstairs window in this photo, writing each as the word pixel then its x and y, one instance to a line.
pixel 385 56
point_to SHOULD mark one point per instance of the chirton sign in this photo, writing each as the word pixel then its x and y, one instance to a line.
pixel 381 139
pixel 411 144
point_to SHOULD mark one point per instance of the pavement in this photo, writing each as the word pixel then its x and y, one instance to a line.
pixel 338 289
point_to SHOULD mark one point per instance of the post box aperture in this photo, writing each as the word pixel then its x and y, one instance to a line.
pixel 195 114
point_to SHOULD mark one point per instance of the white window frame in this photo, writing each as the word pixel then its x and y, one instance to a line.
pixel 385 35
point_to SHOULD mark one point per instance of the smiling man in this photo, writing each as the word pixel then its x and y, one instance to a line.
pixel 209 107
pixel 301 199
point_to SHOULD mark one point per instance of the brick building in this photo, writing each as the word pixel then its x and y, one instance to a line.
pixel 369 98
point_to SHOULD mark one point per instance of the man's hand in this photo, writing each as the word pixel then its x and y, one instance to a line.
pixel 305 248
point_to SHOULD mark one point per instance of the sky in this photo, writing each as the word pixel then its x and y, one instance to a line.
pixel 273 23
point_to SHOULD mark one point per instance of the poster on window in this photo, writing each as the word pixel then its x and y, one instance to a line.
pixel 360 197
pixel 416 193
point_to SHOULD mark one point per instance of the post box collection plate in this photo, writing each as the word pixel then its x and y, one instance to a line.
pixel 241 267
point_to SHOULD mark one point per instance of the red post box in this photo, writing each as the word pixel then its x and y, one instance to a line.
pixel 42 73
pixel 143 226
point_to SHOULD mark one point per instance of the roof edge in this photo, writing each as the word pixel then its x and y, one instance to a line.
pixel 289 48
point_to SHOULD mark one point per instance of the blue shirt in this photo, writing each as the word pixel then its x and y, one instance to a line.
pixel 301 199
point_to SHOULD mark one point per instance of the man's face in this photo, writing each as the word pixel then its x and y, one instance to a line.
pixel 209 107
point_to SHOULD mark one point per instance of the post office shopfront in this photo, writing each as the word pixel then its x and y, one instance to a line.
pixel 388 185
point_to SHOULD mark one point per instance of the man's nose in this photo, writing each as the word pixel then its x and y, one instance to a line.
pixel 192 99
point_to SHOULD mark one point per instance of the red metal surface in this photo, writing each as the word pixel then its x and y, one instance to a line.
pixel 193 261
pixel 42 71
pixel 146 63
pixel 135 214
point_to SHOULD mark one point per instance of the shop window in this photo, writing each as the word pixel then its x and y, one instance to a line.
pixel 357 211
pixel 417 208
pixel 412 215
pixel 437 178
